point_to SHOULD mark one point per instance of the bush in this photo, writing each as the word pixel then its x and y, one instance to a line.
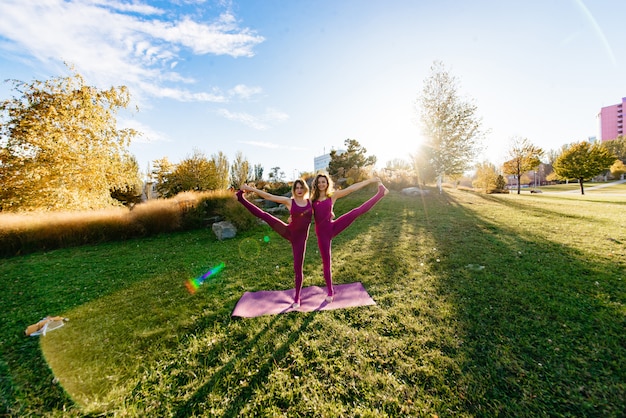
pixel 26 233
pixel 237 214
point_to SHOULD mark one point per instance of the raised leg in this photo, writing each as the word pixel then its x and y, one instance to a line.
pixel 347 218
pixel 276 224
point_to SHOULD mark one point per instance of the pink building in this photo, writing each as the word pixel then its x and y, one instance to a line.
pixel 612 121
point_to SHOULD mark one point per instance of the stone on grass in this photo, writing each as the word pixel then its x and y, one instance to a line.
pixel 224 230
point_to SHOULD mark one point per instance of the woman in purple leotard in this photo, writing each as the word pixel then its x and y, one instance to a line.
pixel 296 231
pixel 326 227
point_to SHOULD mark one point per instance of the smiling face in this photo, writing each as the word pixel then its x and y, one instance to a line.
pixel 322 183
pixel 322 187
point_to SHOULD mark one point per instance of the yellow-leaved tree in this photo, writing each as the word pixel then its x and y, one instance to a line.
pixel 60 148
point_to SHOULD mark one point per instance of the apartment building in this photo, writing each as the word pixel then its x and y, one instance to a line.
pixel 612 121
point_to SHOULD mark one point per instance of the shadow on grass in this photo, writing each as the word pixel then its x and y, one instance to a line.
pixel 263 367
pixel 542 322
pixel 537 331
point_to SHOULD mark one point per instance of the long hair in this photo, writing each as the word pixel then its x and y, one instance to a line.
pixel 303 184
pixel 316 192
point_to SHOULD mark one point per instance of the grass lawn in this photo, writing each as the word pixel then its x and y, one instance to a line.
pixel 487 305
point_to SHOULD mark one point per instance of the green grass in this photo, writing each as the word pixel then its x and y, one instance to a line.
pixel 487 305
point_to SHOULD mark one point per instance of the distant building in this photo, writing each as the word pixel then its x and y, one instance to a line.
pixel 612 121
pixel 322 162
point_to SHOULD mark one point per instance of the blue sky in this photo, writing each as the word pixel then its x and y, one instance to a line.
pixel 285 81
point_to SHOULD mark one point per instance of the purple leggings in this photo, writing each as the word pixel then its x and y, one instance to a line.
pixel 297 233
pixel 327 228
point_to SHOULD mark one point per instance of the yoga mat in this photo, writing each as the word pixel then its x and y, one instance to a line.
pixel 271 302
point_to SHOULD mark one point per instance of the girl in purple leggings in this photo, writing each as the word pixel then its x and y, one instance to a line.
pixel 327 228
pixel 296 231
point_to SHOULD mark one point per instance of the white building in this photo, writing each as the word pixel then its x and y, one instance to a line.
pixel 321 163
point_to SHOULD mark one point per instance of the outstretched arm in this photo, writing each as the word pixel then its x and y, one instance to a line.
pixel 356 186
pixel 278 199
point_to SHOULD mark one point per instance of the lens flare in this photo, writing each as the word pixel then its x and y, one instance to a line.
pixel 249 249
pixel 193 284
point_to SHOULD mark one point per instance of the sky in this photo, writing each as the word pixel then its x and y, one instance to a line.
pixel 284 81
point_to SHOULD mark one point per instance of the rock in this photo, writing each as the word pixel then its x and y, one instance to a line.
pixel 414 191
pixel 278 210
pixel 224 230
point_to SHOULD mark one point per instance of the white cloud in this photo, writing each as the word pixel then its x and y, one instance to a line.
pixel 244 92
pixel 244 118
pixel 148 134
pixel 260 123
pixel 114 42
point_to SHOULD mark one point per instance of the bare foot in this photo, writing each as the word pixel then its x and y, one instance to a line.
pixel 380 184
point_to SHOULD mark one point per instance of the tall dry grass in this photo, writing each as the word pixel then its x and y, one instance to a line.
pixel 29 232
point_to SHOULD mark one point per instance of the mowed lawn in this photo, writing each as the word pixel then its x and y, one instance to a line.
pixel 486 305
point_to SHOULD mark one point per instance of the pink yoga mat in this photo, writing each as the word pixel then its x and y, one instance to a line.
pixel 271 302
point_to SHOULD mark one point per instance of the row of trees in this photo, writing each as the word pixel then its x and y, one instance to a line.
pixel 453 133
pixel 60 149
pixel 199 173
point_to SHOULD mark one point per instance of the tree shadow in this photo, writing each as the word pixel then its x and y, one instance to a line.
pixel 542 323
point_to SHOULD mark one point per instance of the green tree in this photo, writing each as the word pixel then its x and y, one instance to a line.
pixel 486 178
pixel 500 182
pixel 351 163
pixel 60 148
pixel 583 161
pixel 194 173
pixel 276 175
pixel 618 147
pixel 239 171
pixel 524 157
pixel 451 127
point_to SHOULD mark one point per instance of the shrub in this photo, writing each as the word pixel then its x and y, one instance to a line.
pixel 25 233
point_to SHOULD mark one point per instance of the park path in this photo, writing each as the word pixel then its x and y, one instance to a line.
pixel 600 186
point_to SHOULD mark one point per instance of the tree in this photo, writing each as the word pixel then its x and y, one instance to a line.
pixel 161 170
pixel 618 169
pixel 130 194
pixel 583 161
pixel 351 163
pixel 451 127
pixel 617 146
pixel 60 147
pixel 276 175
pixel 486 177
pixel 422 166
pixel 398 164
pixel 258 172
pixel 221 170
pixel 239 171
pixel 524 157
pixel 194 173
